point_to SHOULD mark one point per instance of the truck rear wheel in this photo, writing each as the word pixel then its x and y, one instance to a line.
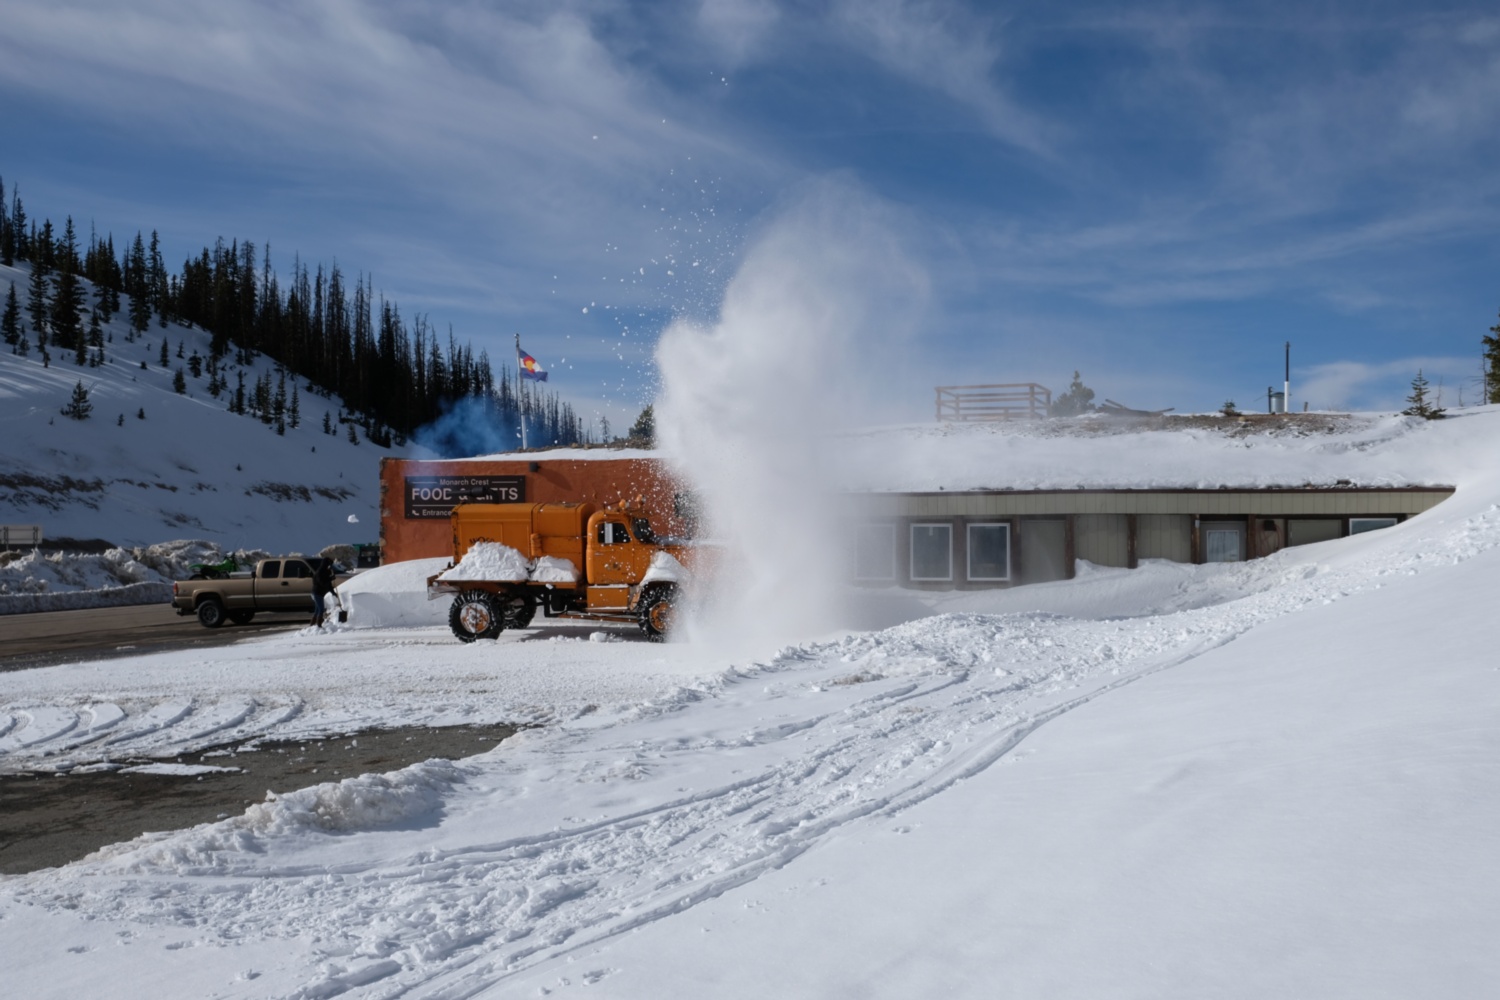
pixel 655 612
pixel 211 613
pixel 519 611
pixel 475 615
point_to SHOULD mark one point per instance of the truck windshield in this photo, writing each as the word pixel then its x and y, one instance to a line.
pixel 643 532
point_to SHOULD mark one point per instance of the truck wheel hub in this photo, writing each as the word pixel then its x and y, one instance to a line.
pixel 475 616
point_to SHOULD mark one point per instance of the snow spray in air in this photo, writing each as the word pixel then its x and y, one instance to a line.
pixel 751 405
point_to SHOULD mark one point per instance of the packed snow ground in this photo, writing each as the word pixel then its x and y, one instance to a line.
pixel 1270 778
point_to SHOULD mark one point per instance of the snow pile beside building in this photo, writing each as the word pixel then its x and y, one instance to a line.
pixel 394 595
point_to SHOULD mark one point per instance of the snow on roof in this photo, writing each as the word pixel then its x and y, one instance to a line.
pixel 1202 452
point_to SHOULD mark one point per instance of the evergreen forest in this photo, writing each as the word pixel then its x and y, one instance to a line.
pixel 396 377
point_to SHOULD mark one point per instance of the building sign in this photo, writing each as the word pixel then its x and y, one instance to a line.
pixel 436 496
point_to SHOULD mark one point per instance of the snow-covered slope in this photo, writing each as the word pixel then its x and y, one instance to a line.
pixel 1264 779
pixel 150 465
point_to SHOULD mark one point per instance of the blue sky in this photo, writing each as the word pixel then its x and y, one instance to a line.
pixel 1158 195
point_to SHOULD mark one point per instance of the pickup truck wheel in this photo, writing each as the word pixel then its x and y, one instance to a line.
pixel 519 611
pixel 475 615
pixel 655 611
pixel 241 617
pixel 211 613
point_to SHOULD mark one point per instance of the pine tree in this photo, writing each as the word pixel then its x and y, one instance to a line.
pixel 10 323
pixel 1419 405
pixel 353 437
pixel 121 421
pixel 156 281
pixel 7 234
pixel 136 287
pixel 67 310
pixel 165 361
pixel 1492 365
pixel 179 382
pixel 78 406
pixel 327 423
pixel 1078 399
pixel 37 306
pixel 643 432
pixel 18 245
pixel 294 411
pixel 140 414
pixel 195 365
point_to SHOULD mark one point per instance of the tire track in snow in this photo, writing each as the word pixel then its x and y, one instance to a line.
pixel 869 727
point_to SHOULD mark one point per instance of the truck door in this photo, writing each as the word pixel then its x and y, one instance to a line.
pixel 609 560
pixel 267 577
pixel 295 592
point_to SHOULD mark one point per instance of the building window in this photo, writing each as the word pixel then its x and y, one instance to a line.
pixel 932 552
pixel 989 552
pixel 875 552
pixel 1358 525
pixel 1223 542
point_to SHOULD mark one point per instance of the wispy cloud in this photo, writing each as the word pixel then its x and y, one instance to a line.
pixel 948 48
pixel 1384 385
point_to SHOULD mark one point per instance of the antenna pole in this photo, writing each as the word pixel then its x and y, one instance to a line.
pixel 1286 388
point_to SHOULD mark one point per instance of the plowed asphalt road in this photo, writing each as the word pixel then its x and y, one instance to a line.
pixel 47 637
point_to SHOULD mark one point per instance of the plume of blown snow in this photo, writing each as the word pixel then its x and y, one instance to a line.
pixel 806 343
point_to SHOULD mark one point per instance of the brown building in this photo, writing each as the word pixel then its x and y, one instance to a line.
pixel 416 497
pixel 934 540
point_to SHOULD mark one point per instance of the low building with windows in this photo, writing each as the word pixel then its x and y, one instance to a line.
pixel 997 538
pixel 972 506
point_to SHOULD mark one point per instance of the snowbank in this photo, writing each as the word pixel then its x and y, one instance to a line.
pixel 59 581
pixel 409 796
pixel 71 600
pixel 393 596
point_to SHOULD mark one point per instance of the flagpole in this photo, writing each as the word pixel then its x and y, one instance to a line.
pixel 520 396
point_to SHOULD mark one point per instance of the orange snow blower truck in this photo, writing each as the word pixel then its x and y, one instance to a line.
pixel 568 560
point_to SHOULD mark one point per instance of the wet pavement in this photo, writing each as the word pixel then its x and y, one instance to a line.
pixel 50 819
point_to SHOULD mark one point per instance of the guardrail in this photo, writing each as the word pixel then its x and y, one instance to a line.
pixel 1011 401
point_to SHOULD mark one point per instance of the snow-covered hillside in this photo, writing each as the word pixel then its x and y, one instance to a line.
pixel 1273 778
pixel 150 465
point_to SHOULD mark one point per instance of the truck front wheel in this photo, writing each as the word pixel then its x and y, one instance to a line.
pixel 211 613
pixel 475 615
pixel 655 611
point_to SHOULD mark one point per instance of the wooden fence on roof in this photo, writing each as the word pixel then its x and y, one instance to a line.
pixel 1012 401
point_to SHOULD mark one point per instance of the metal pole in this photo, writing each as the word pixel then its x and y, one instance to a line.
pixel 521 395
pixel 1286 389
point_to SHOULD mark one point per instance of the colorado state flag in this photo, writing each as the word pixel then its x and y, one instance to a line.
pixel 528 366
